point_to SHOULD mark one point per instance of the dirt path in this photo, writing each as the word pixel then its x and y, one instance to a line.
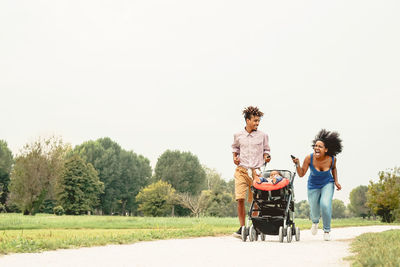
pixel 206 251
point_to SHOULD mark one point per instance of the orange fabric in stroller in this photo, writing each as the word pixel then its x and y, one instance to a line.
pixel 271 187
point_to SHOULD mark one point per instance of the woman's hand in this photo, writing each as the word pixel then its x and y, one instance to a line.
pixel 296 161
pixel 267 158
pixel 338 186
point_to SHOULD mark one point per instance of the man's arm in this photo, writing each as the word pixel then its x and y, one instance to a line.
pixel 236 158
pixel 236 150
pixel 267 149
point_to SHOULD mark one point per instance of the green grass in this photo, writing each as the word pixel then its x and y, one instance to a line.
pixel 47 221
pixel 376 249
pixel 13 221
pixel 20 233
pixel 42 232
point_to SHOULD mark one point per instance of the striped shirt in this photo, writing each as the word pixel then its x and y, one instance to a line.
pixel 251 148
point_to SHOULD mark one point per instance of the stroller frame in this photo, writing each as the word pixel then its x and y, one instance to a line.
pixel 273 211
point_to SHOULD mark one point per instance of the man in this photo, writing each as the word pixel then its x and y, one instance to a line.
pixel 250 152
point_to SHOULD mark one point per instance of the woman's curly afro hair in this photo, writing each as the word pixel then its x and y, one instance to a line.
pixel 331 141
pixel 252 111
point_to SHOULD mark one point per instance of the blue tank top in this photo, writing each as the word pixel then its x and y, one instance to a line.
pixel 319 179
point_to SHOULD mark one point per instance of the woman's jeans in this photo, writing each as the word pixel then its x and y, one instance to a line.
pixel 320 201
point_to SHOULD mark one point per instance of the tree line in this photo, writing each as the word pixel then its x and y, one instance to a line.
pixel 100 177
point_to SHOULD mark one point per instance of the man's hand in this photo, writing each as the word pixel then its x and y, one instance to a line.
pixel 296 161
pixel 236 159
pixel 267 158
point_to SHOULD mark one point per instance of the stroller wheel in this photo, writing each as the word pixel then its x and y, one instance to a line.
pixel 289 234
pixel 297 234
pixel 262 237
pixel 281 234
pixel 252 234
pixel 244 233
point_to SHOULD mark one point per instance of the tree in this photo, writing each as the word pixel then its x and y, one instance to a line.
pixel 6 161
pixel 338 209
pixel 220 199
pixel 358 201
pixel 182 170
pixel 302 209
pixel 230 189
pixel 220 203
pixel 123 173
pixel 156 199
pixel 135 174
pixel 36 174
pixel 197 204
pixel 213 179
pixel 383 197
pixel 80 186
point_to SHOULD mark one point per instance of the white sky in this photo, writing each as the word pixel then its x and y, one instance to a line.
pixel 156 75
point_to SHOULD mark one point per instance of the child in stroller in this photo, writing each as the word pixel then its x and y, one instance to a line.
pixel 274 178
pixel 272 208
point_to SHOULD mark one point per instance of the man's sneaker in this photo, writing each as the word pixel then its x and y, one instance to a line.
pixel 314 228
pixel 238 233
pixel 327 237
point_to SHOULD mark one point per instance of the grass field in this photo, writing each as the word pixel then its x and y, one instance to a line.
pixel 20 233
pixel 377 249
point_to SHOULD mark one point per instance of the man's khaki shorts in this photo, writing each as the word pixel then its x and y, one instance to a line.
pixel 243 182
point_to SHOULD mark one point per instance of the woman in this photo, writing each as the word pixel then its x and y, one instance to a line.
pixel 323 178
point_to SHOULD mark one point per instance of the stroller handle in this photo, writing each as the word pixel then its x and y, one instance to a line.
pixel 295 169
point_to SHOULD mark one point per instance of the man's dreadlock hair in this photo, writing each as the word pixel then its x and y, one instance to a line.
pixel 331 141
pixel 252 111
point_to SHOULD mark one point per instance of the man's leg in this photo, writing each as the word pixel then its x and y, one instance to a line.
pixel 255 213
pixel 242 182
pixel 241 212
pixel 240 192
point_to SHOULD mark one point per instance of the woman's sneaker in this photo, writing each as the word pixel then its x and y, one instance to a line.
pixel 327 236
pixel 314 228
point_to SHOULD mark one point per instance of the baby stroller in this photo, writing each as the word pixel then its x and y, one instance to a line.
pixel 275 209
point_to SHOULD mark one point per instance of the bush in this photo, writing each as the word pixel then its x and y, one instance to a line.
pixel 11 207
pixel 47 206
pixel 58 210
pixel 383 197
pixel 156 199
pixel 2 208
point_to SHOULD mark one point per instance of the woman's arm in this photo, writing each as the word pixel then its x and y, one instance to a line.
pixel 301 171
pixel 334 174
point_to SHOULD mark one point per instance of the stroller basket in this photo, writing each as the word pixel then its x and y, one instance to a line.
pixel 268 225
